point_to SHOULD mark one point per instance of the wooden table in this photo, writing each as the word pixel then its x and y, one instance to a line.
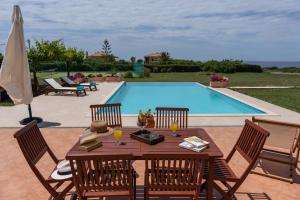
pixel 170 145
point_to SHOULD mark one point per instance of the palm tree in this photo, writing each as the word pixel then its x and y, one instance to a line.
pixel 165 57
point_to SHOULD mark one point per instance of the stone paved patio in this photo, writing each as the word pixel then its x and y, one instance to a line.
pixel 18 182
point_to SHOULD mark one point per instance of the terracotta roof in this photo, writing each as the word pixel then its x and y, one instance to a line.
pixel 97 54
pixel 153 55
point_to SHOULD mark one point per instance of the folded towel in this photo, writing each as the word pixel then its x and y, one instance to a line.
pixel 80 87
pixel 93 83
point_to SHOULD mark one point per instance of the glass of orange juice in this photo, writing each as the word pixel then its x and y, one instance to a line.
pixel 118 135
pixel 173 128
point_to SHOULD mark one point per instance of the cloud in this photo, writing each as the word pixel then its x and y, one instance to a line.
pixel 295 15
pixel 194 29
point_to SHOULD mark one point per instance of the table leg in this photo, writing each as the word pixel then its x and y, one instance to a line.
pixel 210 179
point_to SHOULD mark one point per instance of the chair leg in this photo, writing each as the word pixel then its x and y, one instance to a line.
pixel 73 196
pixel 134 185
pixel 146 196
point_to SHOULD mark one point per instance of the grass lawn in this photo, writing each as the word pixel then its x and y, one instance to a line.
pixel 287 98
pixel 236 79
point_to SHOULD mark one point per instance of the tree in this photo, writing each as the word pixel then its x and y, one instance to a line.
pixel 165 57
pixel 72 55
pixel 106 48
pixel 43 51
pixel 35 58
pixel 51 50
pixel 132 59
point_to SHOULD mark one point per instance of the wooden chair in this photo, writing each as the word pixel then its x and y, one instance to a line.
pixel 249 146
pixel 177 175
pixel 111 113
pixel 34 147
pixel 103 175
pixel 284 142
pixel 164 117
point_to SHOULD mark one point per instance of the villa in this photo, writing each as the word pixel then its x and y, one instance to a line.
pixel 152 57
pixel 97 54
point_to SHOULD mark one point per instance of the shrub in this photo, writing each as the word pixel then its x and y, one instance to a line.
pixel 128 74
pixel 169 69
pixel 249 68
pixel 99 75
pixel 91 75
pixel 163 69
pixel 155 69
pixel 174 68
pixel 147 72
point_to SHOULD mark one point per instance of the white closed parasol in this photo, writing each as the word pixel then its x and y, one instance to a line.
pixel 14 73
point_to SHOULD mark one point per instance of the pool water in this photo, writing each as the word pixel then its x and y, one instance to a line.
pixel 198 98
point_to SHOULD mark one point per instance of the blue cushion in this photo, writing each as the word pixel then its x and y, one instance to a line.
pixel 93 83
pixel 80 87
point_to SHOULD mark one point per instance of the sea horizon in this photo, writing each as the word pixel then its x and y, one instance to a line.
pixel 280 64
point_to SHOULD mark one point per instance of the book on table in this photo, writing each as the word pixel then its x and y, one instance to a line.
pixel 90 145
pixel 197 142
pixel 88 137
pixel 194 144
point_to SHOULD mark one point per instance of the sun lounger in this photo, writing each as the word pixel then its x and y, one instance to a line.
pixel 92 85
pixel 284 140
pixel 58 88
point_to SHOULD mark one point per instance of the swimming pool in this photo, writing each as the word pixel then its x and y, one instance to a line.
pixel 198 98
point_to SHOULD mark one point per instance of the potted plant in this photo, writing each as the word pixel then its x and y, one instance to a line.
pixel 146 119
pixel 218 82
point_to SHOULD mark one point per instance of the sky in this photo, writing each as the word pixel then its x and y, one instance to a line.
pixel 257 30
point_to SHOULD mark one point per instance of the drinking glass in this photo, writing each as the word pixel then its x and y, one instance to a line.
pixel 142 123
pixel 118 135
pixel 173 128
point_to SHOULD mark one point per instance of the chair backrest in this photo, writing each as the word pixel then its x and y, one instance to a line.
pixel 33 147
pixel 53 83
pixel 164 117
pixel 173 172
pixel 282 134
pixel 111 113
pixel 250 142
pixel 67 80
pixel 94 173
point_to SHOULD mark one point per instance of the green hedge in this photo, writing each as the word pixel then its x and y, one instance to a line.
pixel 61 66
pixel 249 68
pixel 174 68
pixel 225 66
pixel 217 67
